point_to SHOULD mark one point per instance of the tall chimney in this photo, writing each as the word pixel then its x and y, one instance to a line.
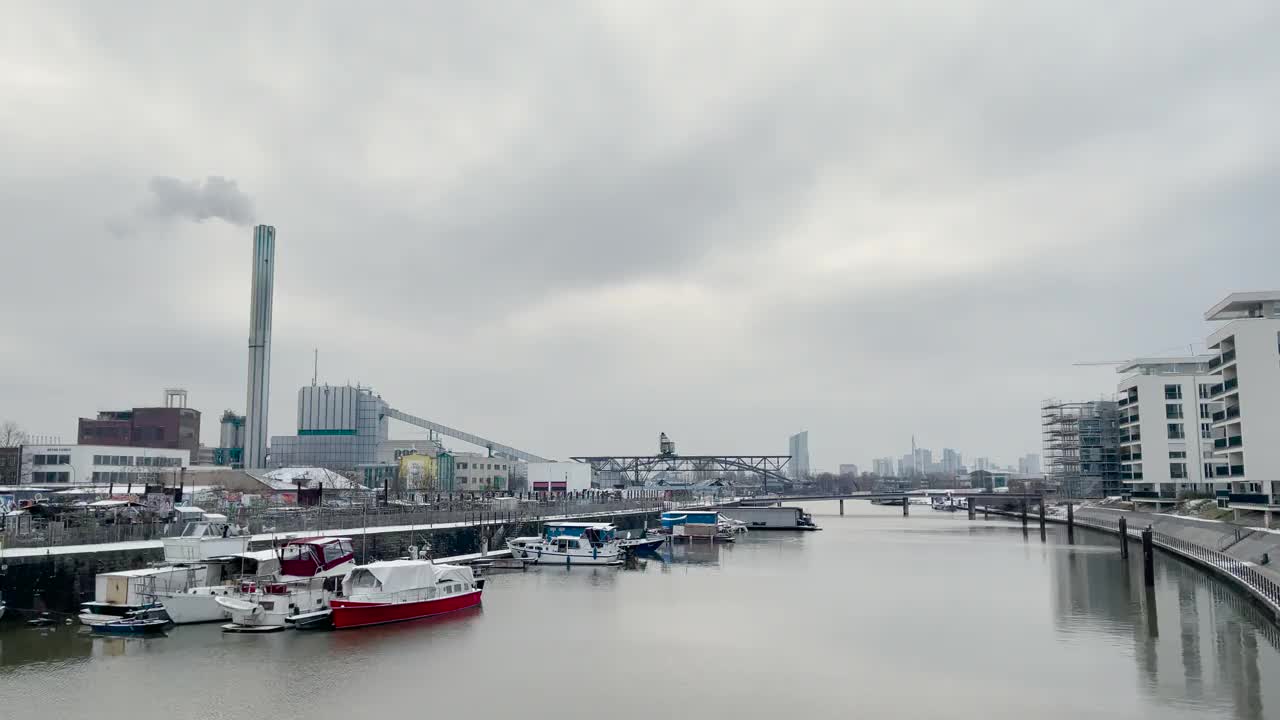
pixel 255 423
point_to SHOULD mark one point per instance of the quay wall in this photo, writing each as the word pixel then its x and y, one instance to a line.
pixel 59 582
pixel 1207 544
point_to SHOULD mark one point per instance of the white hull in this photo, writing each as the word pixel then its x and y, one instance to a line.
pixel 271 610
pixel 540 554
pixel 198 605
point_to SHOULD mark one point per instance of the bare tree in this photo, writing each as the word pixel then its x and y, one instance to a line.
pixel 11 434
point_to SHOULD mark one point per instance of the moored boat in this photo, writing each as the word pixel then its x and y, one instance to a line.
pixel 399 590
pixel 570 543
pixel 223 578
pixel 311 569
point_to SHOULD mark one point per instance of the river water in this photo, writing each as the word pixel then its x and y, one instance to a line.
pixel 877 616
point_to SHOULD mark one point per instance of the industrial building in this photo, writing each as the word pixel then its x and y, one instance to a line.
pixel 1081 447
pixel 102 464
pixel 339 427
pixel 1246 425
pixel 1166 447
pixel 477 472
pixel 174 426
pixel 230 450
pixel 559 477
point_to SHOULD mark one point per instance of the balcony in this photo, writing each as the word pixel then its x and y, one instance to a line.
pixel 1237 471
pixel 1229 414
pixel 1230 385
pixel 1222 493
pixel 1250 498
pixel 1156 494
pixel 1129 419
pixel 1223 359
pixel 1228 442
pixel 1123 402
pixel 1130 476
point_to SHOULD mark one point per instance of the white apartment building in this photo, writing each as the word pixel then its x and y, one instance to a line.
pixel 100 464
pixel 1166 445
pixel 1246 429
pixel 477 472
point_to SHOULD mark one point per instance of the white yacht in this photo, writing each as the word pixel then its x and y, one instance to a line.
pixel 570 543
pixel 310 571
pixel 224 577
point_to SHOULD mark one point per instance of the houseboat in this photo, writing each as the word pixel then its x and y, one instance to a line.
pixel 771 518
pixel 399 590
pixel 695 524
pixel 570 543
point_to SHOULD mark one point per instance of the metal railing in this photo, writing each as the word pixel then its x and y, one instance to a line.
pixel 36 532
pixel 1237 569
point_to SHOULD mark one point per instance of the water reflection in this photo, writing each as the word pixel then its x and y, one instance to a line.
pixel 1168 627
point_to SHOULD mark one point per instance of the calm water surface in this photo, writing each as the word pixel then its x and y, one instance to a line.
pixel 878 616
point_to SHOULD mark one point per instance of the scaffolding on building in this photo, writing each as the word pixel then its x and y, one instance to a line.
pixel 1081 443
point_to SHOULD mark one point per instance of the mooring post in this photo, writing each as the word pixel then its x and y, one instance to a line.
pixel 1124 538
pixel 986 512
pixel 1042 515
pixel 1024 513
pixel 842 507
pixel 1148 559
pixel 973 509
pixel 906 506
pixel 1071 524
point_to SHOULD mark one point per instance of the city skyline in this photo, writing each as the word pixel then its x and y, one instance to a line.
pixel 463 232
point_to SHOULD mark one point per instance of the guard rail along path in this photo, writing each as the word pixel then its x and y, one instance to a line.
pixel 35 532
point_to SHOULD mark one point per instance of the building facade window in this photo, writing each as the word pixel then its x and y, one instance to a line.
pixel 1172 392
pixel 1173 411
pixel 1206 431
pixel 1175 454
pixel 1204 391
pixel 1175 431
pixel 1205 412
pixel 1177 470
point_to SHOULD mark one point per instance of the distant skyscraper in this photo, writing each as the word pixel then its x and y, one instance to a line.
pixel 882 467
pixel 255 424
pixel 951 461
pixel 1029 464
pixel 848 469
pixel 799 451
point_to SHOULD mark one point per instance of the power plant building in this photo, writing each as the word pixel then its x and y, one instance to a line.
pixel 339 427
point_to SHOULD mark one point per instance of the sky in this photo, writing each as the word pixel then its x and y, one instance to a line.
pixel 571 226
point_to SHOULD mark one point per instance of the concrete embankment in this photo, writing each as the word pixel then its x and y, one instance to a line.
pixel 60 578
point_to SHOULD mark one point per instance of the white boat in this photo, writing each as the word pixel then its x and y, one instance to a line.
pixel 311 569
pixel 223 578
pixel 570 543
pixel 205 536
pixel 701 524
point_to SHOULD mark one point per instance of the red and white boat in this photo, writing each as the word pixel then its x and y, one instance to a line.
pixel 398 590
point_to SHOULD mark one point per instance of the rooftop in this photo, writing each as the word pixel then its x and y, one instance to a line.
pixel 1176 363
pixel 1242 305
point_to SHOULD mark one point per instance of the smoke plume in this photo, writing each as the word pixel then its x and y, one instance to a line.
pixel 216 197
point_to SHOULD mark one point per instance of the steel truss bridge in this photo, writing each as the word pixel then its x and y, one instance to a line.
pixel 637 469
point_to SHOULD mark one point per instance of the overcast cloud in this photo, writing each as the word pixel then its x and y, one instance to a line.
pixel 569 226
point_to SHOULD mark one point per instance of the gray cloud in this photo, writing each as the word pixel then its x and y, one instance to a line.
pixel 217 197
pixel 573 226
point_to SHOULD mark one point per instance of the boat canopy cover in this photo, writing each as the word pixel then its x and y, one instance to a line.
pixel 395 575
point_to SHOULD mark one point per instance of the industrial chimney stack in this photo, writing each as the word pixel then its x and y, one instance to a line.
pixel 255 424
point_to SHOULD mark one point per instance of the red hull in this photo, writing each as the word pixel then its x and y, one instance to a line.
pixel 348 614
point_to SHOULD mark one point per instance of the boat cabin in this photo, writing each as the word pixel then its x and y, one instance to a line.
pixel 569 534
pixel 209 535
pixel 309 557
pixel 690 517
